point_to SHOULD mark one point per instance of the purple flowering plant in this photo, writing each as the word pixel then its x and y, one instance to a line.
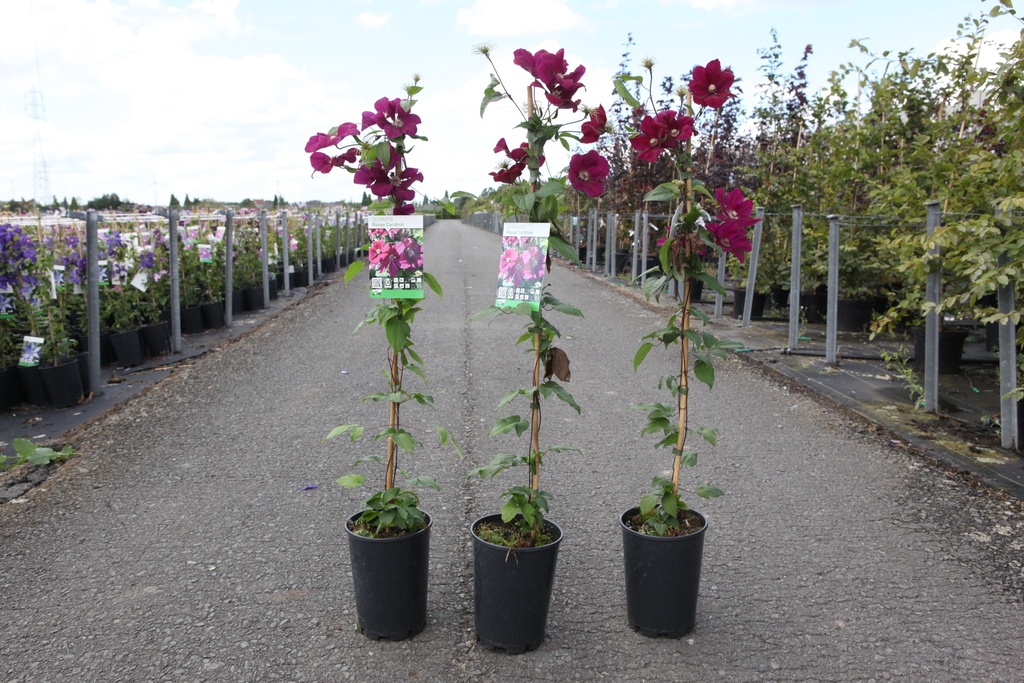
pixel 375 153
pixel 702 222
pixel 552 112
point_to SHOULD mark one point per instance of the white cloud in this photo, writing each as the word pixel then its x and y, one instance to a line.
pixel 489 18
pixel 373 20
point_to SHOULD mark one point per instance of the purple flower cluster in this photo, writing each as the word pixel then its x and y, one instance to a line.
pixel 377 153
pixel 18 258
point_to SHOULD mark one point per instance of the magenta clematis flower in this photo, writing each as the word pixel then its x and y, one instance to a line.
pixel 514 165
pixel 710 84
pixel 550 70
pixel 324 163
pixel 593 128
pixel 735 208
pixel 392 118
pixel 321 140
pixel 321 162
pixel 732 238
pixel 650 140
pixel 676 127
pixel 587 173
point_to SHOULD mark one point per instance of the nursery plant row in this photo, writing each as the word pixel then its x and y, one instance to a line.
pixel 148 293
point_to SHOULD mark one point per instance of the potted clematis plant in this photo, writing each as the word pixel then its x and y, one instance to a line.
pixel 515 551
pixel 389 538
pixel 662 537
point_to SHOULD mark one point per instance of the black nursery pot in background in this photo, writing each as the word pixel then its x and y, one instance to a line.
pixel 63 383
pixel 389 577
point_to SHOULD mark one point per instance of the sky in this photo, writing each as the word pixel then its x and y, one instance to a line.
pixel 216 98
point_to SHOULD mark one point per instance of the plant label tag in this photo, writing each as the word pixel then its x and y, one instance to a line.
pixel 396 257
pixel 523 264
pixel 205 253
pixel 57 280
pixel 30 350
pixel 141 281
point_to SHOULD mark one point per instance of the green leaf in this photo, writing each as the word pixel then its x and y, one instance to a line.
pixel 641 353
pixel 564 395
pixel 461 194
pixel 551 188
pixel 353 270
pixel 708 434
pixel 337 431
pixel 648 503
pixel 704 372
pixel 627 97
pixel 433 284
pixel 706 491
pixel 405 441
pixel 23 447
pixel 663 193
pixel 670 503
pixel 499 463
pixel 510 396
pixel 507 424
pixel 397 332
pixel 383 150
pixel 447 438
pixel 563 449
pixel 509 510
pixel 490 95
pixel 564 249
pixel 351 481
pixel 428 482
pixel 562 307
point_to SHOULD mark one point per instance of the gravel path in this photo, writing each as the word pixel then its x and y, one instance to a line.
pixel 180 547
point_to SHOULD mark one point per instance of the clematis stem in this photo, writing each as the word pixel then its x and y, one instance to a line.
pixel 393 423
pixel 714 133
pixel 684 356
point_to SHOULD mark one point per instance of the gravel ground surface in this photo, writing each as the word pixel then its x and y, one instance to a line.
pixel 180 546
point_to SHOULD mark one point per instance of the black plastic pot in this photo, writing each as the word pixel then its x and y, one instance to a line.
pixel 389 578
pixel 127 347
pixel 63 383
pixel 253 297
pixel 854 315
pixel 662 579
pixel 213 315
pixel 82 360
pixel 300 278
pixel 951 350
pixel 33 389
pixel 512 590
pixel 10 387
pixel 191 320
pixel 157 338
pixel 272 283
pixel 237 302
pixel 815 305
pixel 739 297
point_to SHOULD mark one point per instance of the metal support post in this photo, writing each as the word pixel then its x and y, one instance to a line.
pixel 831 329
pixel 796 241
pixel 933 287
pixel 286 252
pixel 229 266
pixel 92 298
pixel 755 253
pixel 264 257
pixel 175 274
